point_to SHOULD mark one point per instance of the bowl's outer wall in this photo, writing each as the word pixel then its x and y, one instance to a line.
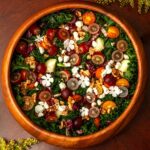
pixel 60 140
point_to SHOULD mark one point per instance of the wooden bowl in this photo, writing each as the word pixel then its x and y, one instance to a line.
pixel 60 140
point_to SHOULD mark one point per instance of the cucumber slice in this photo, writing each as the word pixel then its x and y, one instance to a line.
pixel 100 44
pixel 51 64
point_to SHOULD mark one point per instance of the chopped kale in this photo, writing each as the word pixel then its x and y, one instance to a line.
pixel 18 63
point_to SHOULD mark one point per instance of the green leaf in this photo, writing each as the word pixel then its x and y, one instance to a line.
pixel 38 56
pixel 57 19
pixel 58 43
pixel 71 115
pixel 18 63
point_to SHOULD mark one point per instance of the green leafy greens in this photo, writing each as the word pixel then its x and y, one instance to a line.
pixel 18 63
pixel 56 19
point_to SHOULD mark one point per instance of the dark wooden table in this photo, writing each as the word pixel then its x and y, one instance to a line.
pixel 136 136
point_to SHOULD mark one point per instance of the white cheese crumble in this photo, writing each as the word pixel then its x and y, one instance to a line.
pixel 76 36
pixel 84 81
pixel 75 70
pixel 124 65
pixel 66 27
pixel 84 111
pixel 94 44
pixel 60 59
pixel 41 50
pixel 66 58
pixel 89 90
pixel 99 102
pixel 63 51
pixel 62 85
pixel 85 28
pixel 39 109
pixel 102 95
pixel 112 43
pixel 79 24
pixel 39 38
pixel 93 104
pixel 126 56
pixel 69 44
pixel 104 31
pixel 118 65
pixel 114 91
pixel 47 79
pixel 40 115
pixel 95 91
pixel 105 89
pixel 62 108
pixel 36 84
pixel 68 64
pixel 108 69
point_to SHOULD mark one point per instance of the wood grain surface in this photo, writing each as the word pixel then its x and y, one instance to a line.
pixel 136 135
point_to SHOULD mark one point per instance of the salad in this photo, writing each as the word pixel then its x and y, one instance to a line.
pixel 74 72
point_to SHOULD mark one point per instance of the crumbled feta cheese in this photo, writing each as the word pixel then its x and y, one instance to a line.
pixel 79 24
pixel 39 109
pixel 76 36
pixel 84 111
pixel 104 31
pixel 85 28
pixel 95 91
pixel 114 91
pixel 63 51
pixel 110 62
pixel 108 69
pixel 112 43
pixel 61 108
pixel 47 79
pixel 60 59
pixel 124 65
pixel 66 58
pixel 93 104
pixel 69 44
pixel 77 75
pixel 99 102
pixel 39 38
pixel 40 114
pixel 105 89
pixel 89 90
pixel 74 71
pixel 51 80
pixel 105 25
pixel 80 66
pixel 67 64
pixel 36 84
pixel 94 44
pixel 102 95
pixel 118 65
pixel 46 105
pixel 66 27
pixel 41 50
pixel 126 56
pixel 104 72
pixel 62 85
pixel 84 81
pixel 41 103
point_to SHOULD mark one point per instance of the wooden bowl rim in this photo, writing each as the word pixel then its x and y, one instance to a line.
pixel 15 109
